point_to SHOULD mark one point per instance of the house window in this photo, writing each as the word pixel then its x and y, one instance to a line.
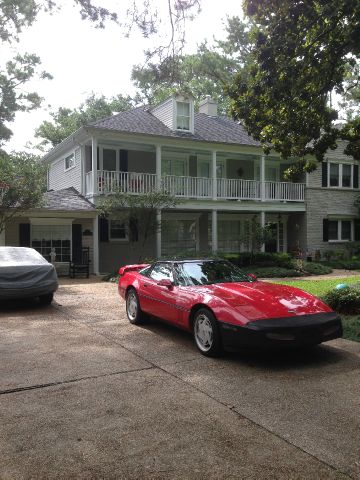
pixel 69 162
pixel 179 235
pixel 183 116
pixel 45 238
pixel 341 175
pixel 229 235
pixel 118 230
pixel 340 230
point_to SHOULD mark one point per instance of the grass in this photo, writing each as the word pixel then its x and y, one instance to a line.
pixel 351 323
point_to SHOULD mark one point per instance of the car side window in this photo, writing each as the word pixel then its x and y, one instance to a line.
pixel 162 271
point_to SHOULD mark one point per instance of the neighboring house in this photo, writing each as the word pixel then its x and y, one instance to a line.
pixel 218 171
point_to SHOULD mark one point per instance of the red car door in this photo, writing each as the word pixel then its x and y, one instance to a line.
pixel 161 300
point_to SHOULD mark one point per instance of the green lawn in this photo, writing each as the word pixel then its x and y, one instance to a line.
pixel 351 323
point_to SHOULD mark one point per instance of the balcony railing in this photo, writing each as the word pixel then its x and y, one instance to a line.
pixel 196 187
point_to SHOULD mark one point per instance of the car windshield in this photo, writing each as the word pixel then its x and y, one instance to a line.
pixel 208 273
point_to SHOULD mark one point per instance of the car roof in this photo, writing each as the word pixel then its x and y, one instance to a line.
pixel 192 260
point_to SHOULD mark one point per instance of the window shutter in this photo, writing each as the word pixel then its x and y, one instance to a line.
pixel 356 176
pixel 24 234
pixel 324 182
pixel 76 240
pixel 123 160
pixel 104 229
pixel 357 230
pixel 325 230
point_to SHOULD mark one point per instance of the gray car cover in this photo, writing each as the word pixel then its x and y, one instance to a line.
pixel 25 273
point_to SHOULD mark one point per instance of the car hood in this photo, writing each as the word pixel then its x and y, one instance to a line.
pixel 262 300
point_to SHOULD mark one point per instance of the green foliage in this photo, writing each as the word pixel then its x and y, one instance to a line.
pixel 204 73
pixel 13 97
pixel 139 212
pixel 260 259
pixel 25 182
pixel 302 53
pixel 344 300
pixel 351 327
pixel 272 272
pixel 314 268
pixel 66 121
pixel 344 264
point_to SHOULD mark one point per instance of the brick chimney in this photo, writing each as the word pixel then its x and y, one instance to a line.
pixel 208 106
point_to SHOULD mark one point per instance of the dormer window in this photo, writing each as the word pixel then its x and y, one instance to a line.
pixel 183 116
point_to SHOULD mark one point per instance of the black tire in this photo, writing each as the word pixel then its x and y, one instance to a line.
pixel 133 310
pixel 46 299
pixel 206 333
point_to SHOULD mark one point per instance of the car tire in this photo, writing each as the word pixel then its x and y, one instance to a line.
pixel 133 310
pixel 46 299
pixel 206 333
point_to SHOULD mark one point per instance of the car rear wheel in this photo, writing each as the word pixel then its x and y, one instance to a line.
pixel 206 333
pixel 133 310
pixel 46 299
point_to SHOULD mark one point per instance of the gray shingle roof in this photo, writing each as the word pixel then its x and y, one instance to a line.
pixel 67 199
pixel 207 129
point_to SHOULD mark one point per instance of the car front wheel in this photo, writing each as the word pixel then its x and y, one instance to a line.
pixel 133 310
pixel 46 299
pixel 206 333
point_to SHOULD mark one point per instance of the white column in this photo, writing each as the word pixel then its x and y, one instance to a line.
pixel 214 231
pixel 285 240
pixel 94 166
pixel 2 238
pixel 158 167
pixel 158 234
pixel 213 175
pixel 96 245
pixel 262 224
pixel 262 178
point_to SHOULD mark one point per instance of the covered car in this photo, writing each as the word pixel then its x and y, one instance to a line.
pixel 24 273
pixel 224 307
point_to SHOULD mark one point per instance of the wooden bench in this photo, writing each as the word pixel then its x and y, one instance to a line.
pixel 80 263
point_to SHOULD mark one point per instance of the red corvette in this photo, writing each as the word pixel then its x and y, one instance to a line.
pixel 224 307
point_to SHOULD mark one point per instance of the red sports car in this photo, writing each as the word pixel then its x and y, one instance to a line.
pixel 225 308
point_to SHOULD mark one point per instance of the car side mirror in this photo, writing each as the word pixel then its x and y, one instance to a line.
pixel 253 276
pixel 165 282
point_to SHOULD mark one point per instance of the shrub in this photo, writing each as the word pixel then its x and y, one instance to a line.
pixel 316 268
pixel 272 272
pixel 345 264
pixel 344 300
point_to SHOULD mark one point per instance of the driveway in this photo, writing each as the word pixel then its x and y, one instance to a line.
pixel 86 395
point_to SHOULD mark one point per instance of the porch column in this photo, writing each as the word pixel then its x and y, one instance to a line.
pixel 158 234
pixel 94 166
pixel 213 175
pixel 82 169
pixel 158 167
pixel 96 245
pixel 262 224
pixel 214 231
pixel 2 238
pixel 262 178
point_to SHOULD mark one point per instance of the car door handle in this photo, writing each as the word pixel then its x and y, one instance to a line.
pixel 145 284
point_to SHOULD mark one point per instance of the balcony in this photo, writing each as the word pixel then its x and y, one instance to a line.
pixel 196 187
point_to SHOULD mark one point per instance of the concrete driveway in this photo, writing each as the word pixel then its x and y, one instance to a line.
pixel 86 395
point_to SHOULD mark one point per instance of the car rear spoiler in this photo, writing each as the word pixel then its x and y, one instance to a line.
pixel 132 268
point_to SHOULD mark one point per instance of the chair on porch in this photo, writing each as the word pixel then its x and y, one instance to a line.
pixel 80 263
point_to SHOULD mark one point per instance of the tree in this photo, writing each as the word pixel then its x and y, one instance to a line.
pixel 206 72
pixel 23 182
pixel 66 121
pixel 302 53
pixel 138 213
pixel 16 15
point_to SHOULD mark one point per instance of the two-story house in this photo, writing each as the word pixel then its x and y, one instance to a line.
pixel 219 172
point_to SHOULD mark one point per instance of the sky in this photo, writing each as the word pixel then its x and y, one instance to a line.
pixel 83 59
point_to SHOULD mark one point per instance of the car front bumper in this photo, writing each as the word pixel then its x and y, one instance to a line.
pixel 283 332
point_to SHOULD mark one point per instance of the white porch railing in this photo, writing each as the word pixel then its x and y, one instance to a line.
pixel 189 187
pixel 290 192
pixel 238 189
pixel 195 187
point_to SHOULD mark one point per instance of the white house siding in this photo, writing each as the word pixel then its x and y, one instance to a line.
pixel 59 179
pixel 322 202
pixel 165 112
